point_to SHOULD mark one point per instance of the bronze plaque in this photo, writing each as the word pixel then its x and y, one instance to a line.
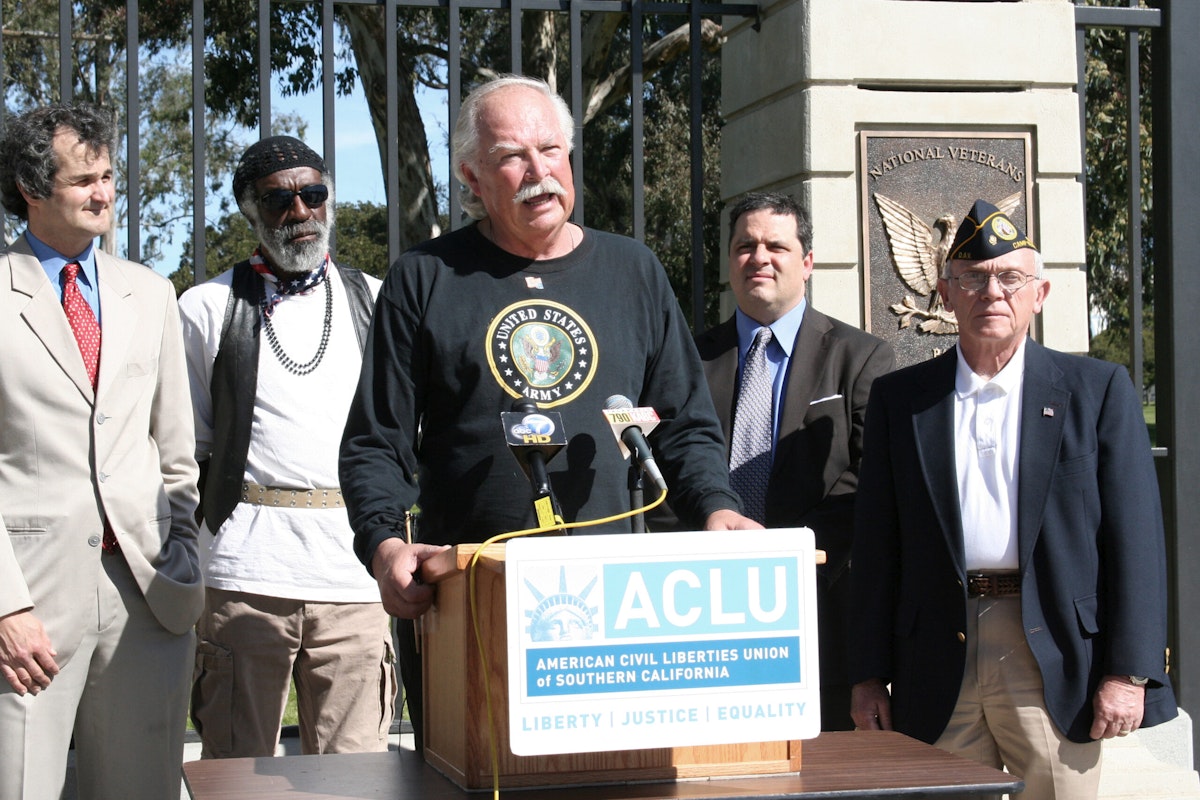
pixel 915 188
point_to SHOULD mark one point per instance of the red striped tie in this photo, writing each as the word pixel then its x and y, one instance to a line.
pixel 87 336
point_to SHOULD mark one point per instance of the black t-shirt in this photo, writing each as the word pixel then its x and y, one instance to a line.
pixel 462 329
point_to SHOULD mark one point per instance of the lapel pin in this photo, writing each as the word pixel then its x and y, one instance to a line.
pixel 1047 412
pixel 533 282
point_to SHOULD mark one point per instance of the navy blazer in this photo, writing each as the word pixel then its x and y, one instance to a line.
pixel 1090 542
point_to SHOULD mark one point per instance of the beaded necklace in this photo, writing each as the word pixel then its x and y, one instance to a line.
pixel 296 286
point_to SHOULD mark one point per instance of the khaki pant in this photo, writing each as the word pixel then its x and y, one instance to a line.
pixel 1001 719
pixel 124 696
pixel 252 648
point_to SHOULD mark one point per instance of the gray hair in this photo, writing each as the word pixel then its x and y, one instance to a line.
pixel 27 159
pixel 464 144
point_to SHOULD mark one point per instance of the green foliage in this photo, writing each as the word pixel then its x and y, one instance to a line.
pixel 1112 344
pixel 1108 173
pixel 362 237
pixel 226 242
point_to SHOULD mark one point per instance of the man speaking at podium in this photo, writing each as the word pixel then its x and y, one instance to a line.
pixel 522 304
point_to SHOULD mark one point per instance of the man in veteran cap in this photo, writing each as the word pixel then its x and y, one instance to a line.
pixel 1009 564
pixel 274 347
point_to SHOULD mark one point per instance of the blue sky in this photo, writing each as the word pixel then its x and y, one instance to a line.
pixel 357 152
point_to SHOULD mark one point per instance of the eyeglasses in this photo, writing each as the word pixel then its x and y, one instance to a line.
pixel 314 196
pixel 1011 281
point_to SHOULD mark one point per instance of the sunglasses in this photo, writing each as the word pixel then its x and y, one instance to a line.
pixel 314 196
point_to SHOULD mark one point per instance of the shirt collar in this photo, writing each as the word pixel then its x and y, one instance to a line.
pixel 53 261
pixel 783 330
pixel 1007 380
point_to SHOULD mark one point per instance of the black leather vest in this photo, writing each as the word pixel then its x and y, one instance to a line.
pixel 235 383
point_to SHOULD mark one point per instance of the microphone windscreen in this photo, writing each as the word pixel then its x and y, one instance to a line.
pixel 616 402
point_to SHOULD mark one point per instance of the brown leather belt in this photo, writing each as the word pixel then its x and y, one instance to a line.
pixel 280 497
pixel 993 584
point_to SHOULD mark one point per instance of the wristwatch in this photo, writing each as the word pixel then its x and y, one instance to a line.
pixel 1138 680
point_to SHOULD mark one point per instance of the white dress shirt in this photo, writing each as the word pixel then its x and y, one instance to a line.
pixel 987 436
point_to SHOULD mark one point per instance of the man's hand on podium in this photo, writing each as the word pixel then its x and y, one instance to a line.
pixel 871 706
pixel 395 566
pixel 729 520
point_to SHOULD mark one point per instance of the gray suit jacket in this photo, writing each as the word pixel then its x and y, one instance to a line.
pixel 70 457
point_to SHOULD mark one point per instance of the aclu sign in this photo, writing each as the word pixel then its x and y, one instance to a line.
pixel 620 642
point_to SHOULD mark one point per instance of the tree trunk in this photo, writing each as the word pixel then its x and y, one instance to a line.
pixel 415 190
pixel 538 43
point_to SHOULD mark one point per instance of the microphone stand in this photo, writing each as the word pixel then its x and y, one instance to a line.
pixel 636 500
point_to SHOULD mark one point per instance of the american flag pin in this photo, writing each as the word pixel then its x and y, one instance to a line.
pixel 533 282
pixel 1047 412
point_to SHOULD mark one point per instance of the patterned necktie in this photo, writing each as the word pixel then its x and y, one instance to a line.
pixel 753 430
pixel 82 320
pixel 87 336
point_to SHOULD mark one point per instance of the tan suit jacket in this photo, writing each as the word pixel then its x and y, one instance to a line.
pixel 69 458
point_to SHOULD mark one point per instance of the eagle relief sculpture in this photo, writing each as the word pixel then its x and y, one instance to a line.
pixel 919 260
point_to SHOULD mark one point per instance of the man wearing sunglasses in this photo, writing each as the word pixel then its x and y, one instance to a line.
pixel 1009 566
pixel 274 347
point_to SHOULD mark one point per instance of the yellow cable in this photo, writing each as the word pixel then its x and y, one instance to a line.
pixel 558 524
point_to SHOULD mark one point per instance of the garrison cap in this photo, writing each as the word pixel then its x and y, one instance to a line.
pixel 271 155
pixel 987 232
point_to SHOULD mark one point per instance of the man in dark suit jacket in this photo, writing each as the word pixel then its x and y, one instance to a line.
pixel 823 375
pixel 1009 562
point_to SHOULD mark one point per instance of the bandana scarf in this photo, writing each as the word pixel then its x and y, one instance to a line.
pixel 282 287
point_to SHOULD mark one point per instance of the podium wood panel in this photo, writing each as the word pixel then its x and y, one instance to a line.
pixel 456 722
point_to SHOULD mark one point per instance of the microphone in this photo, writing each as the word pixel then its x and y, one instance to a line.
pixel 534 437
pixel 630 425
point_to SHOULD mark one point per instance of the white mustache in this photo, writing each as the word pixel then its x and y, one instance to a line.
pixel 301 229
pixel 548 185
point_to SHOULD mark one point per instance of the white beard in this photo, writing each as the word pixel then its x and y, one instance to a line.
pixel 296 258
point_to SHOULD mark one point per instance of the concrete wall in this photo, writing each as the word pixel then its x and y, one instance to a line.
pixel 797 92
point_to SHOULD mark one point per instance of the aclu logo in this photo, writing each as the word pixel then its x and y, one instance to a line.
pixel 534 429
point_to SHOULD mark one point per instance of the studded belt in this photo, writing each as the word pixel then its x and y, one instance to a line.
pixel 280 497
pixel 993 584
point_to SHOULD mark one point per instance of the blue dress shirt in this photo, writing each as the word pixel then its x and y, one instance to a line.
pixel 53 262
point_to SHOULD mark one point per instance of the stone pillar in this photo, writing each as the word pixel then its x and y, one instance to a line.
pixel 802 90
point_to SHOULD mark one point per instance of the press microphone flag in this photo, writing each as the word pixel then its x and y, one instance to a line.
pixel 630 426
pixel 534 437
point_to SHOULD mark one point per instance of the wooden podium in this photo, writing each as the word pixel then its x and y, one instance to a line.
pixel 457 739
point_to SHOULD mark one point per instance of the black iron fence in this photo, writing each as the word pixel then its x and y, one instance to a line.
pixel 1160 240
pixel 410 30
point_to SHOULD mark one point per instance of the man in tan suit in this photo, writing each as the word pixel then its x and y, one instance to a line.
pixel 99 580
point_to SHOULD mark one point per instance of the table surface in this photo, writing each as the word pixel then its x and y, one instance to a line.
pixel 845 764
